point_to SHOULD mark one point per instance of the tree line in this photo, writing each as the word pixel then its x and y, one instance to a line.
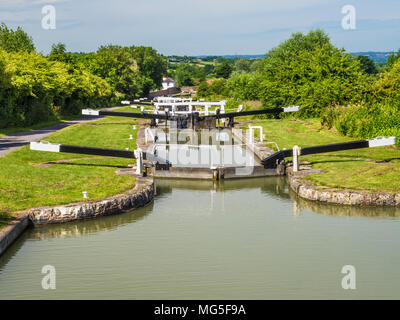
pixel 36 88
pixel 346 92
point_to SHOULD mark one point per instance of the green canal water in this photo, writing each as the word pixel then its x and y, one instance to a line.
pixel 240 239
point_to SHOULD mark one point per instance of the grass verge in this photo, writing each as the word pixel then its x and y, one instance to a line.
pixel 373 169
pixel 26 181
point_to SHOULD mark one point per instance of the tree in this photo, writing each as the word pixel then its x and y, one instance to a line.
pixel 245 86
pixel 208 69
pixel 256 65
pixel 387 87
pixel 13 41
pixel 184 75
pixel 116 65
pixel 367 65
pixel 203 89
pixel 307 70
pixel 150 64
pixel 242 65
pixel 59 53
pixel 393 58
pixel 223 69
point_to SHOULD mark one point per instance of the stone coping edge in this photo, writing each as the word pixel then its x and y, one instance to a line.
pixel 306 190
pixel 141 195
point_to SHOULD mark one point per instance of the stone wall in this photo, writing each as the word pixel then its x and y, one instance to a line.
pixel 142 194
pixel 306 190
pixel 11 232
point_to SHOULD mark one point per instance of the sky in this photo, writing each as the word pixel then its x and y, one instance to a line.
pixel 206 27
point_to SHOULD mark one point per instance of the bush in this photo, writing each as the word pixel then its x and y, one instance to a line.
pixel 364 121
pixel 35 89
pixel 307 70
pixel 245 86
pixel 387 87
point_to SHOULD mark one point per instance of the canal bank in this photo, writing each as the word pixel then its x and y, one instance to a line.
pixel 272 245
pixel 141 195
pixel 306 190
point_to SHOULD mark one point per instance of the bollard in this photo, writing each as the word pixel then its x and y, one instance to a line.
pixel 85 196
pixel 296 158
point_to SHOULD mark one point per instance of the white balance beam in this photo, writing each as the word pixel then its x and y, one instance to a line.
pixel 382 141
pixel 90 112
pixel 291 109
pixel 45 146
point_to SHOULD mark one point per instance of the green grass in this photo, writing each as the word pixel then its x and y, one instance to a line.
pixel 5 218
pixel 8 131
pixel 24 184
pixel 352 169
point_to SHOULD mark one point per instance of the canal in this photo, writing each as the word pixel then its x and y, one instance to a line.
pixel 232 239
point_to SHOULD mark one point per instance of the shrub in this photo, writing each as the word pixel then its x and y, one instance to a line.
pixel 364 121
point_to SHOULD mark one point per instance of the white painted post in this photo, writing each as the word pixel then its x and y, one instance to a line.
pixel 206 109
pixel 251 128
pixel 139 161
pixel 251 133
pixel 296 158
pixel 156 112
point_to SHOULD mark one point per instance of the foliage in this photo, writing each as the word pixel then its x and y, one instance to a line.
pixel 245 86
pixel 242 65
pixel 387 87
pixel 151 66
pixel 364 121
pixel 307 70
pixel 223 69
pixel 15 40
pixel 216 88
pixel 393 58
pixel 187 74
pixel 367 65
pixel 35 89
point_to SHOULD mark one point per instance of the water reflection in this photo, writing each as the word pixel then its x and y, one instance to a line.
pixel 233 239
pixel 342 210
pixel 203 148
pixel 274 187
pixel 87 227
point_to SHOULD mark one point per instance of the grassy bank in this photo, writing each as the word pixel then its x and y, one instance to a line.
pixel 374 169
pixel 40 125
pixel 28 179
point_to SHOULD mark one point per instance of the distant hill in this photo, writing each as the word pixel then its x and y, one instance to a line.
pixel 374 55
pixel 237 56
